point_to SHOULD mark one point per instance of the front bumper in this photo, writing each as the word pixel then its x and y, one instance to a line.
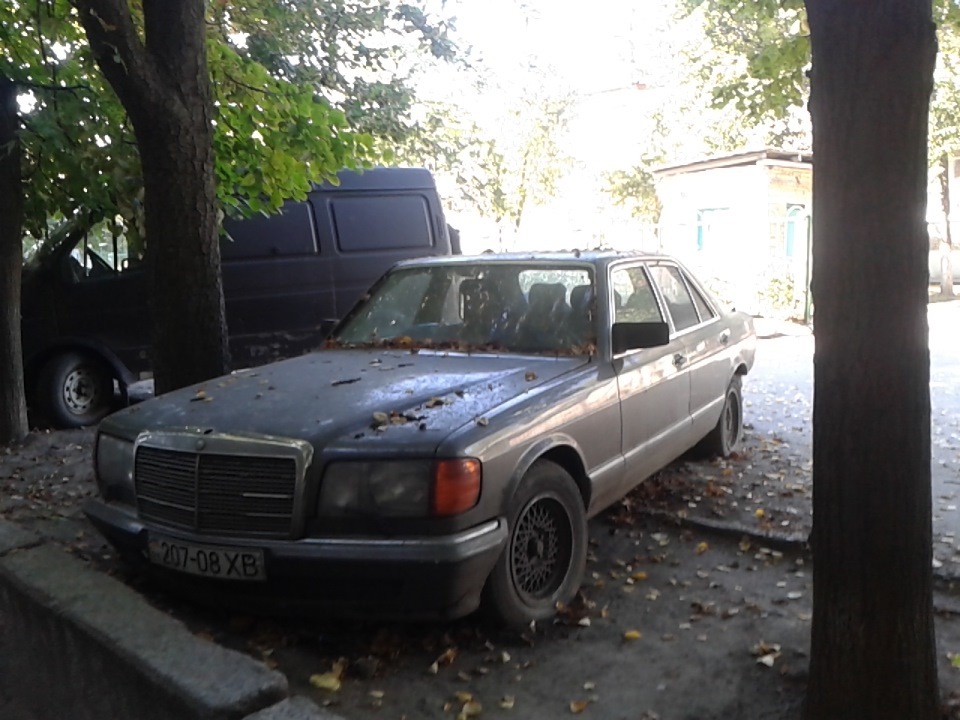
pixel 415 577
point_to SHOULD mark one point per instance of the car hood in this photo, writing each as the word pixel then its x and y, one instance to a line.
pixel 350 397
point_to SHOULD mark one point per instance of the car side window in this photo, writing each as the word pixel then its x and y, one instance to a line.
pixel 634 298
pixel 706 312
pixel 675 293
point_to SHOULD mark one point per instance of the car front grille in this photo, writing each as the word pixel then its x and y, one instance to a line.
pixel 216 494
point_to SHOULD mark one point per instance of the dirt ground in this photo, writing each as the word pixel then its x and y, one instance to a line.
pixel 696 606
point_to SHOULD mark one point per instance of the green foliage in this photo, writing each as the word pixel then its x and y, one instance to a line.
pixel 756 56
pixel 636 189
pixel 302 88
pixel 759 54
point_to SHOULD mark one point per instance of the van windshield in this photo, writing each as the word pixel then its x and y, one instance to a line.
pixel 476 307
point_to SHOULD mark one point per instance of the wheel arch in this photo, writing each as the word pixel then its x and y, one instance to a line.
pixel 561 450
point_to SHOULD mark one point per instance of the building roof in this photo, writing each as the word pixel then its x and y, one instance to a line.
pixel 739 159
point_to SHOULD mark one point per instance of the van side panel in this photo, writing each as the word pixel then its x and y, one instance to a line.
pixel 367 233
pixel 278 288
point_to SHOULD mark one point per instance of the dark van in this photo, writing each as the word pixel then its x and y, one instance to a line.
pixel 286 280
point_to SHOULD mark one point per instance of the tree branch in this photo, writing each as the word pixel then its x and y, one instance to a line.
pixel 121 54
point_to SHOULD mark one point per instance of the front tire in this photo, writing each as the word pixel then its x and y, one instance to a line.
pixel 727 435
pixel 543 563
pixel 74 390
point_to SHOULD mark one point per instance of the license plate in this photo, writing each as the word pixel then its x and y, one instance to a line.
pixel 207 560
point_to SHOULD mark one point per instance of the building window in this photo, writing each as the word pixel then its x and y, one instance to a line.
pixel 794 229
pixel 712 224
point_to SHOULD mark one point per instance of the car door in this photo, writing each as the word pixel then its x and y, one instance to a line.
pixel 654 384
pixel 101 299
pixel 705 341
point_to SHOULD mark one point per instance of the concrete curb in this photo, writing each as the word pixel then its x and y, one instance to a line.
pixel 84 641
pixel 792 541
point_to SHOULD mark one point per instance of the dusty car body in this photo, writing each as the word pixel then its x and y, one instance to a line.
pixel 448 445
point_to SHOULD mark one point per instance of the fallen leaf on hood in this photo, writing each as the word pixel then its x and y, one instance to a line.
pixel 470 709
pixel 578 706
pixel 447 657
pixel 482 421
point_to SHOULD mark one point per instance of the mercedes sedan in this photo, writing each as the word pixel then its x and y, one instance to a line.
pixel 444 449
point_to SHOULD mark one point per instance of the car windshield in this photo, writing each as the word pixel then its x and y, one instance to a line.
pixel 478 307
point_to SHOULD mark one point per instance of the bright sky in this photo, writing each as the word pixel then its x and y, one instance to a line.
pixel 592 46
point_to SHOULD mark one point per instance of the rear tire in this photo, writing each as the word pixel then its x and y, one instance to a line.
pixel 75 389
pixel 727 436
pixel 543 563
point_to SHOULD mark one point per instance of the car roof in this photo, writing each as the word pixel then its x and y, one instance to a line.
pixel 579 257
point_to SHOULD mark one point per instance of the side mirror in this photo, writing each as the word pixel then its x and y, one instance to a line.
pixel 638 335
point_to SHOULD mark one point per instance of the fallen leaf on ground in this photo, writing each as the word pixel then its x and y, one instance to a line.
pixel 578 706
pixel 632 635
pixel 330 680
pixel 507 702
pixel 702 548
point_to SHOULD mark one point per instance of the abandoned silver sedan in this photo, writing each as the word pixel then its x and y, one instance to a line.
pixel 446 446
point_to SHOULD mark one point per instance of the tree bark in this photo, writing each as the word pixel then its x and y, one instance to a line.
pixel 873 646
pixel 164 85
pixel 13 410
pixel 946 258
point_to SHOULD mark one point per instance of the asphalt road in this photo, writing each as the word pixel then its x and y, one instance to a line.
pixel 779 402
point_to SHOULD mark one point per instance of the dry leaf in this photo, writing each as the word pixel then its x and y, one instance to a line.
pixel 530 376
pixel 482 421
pixel 470 709
pixel 330 680
pixel 463 696
pixel 632 635
pixel 326 681
pixel 506 702
pixel 702 548
pixel 639 575
pixel 578 706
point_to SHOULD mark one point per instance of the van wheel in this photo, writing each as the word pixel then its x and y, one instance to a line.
pixel 543 563
pixel 75 389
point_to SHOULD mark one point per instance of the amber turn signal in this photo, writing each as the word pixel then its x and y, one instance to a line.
pixel 456 485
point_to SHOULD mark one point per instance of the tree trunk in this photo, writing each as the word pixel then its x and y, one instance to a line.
pixel 873 647
pixel 946 249
pixel 13 411
pixel 164 86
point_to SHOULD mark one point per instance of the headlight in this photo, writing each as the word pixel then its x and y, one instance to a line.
pixel 400 488
pixel 114 465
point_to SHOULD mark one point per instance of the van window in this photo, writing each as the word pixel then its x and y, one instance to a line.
pixel 382 223
pixel 288 233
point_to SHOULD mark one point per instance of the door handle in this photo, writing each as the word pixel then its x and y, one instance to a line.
pixel 679 360
pixel 725 338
